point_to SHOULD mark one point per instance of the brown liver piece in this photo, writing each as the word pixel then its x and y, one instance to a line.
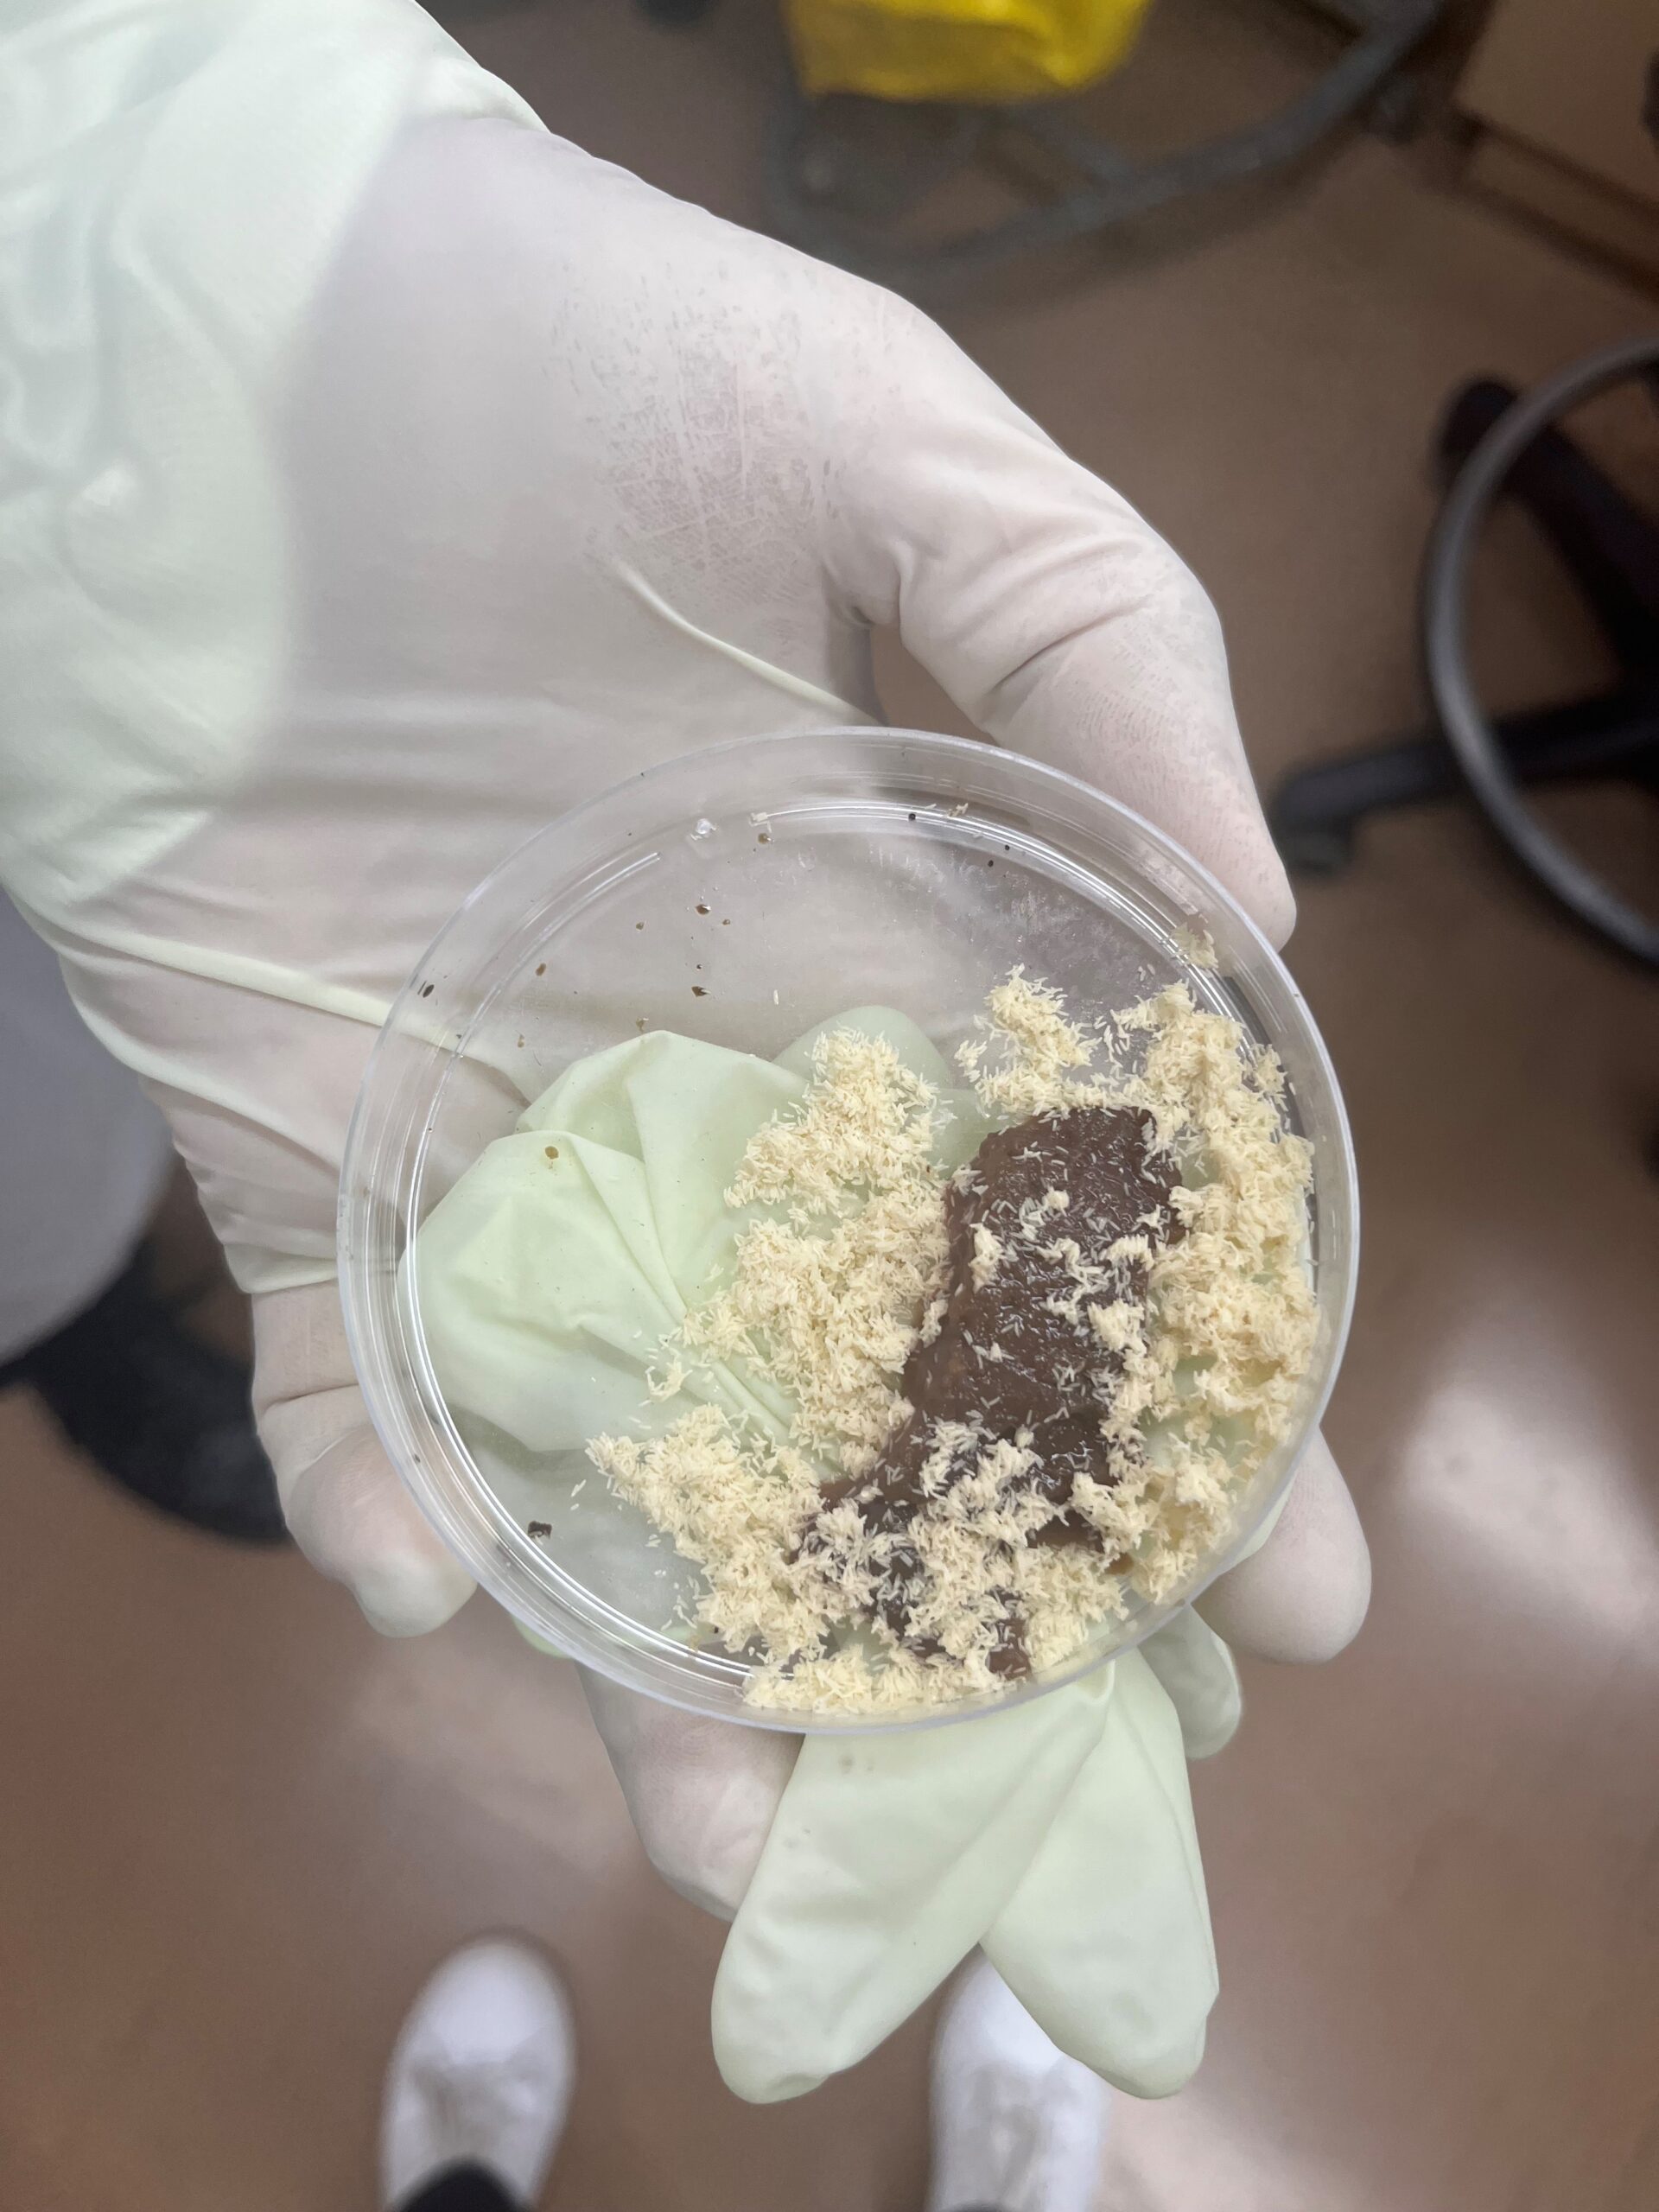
pixel 1004 1363
pixel 1001 1355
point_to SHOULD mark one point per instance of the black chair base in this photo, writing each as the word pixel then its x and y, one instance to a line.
pixel 1612 550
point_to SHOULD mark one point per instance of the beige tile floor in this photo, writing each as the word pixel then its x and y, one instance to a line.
pixel 237 1828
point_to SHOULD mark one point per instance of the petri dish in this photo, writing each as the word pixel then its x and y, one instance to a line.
pixel 742 894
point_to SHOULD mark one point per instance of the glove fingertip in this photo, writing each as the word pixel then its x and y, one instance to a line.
pixel 1158 2074
pixel 756 2088
pixel 412 1596
pixel 1303 1597
pixel 1274 910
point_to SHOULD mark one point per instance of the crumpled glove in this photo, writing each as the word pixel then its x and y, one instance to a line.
pixel 388 476
pixel 1058 1835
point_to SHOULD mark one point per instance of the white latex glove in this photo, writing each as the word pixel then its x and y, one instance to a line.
pixel 387 476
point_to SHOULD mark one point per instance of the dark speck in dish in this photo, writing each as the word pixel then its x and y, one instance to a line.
pixel 539 1528
pixel 542 967
pixel 427 989
pixel 702 909
pixel 698 991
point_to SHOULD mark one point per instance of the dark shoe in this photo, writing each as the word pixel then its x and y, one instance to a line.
pixel 162 1413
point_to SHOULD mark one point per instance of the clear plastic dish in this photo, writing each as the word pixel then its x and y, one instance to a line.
pixel 742 894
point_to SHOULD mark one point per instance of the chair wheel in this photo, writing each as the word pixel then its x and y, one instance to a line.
pixel 675 14
pixel 1397 109
pixel 1310 850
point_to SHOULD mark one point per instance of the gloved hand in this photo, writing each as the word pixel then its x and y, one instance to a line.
pixel 390 476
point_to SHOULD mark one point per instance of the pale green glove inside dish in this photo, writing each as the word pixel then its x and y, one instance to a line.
pixel 547 1283
pixel 1058 1834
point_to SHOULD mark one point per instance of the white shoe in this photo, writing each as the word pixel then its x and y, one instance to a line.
pixel 482 2073
pixel 1017 2126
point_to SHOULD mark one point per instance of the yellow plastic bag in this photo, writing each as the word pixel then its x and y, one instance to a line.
pixel 958 49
